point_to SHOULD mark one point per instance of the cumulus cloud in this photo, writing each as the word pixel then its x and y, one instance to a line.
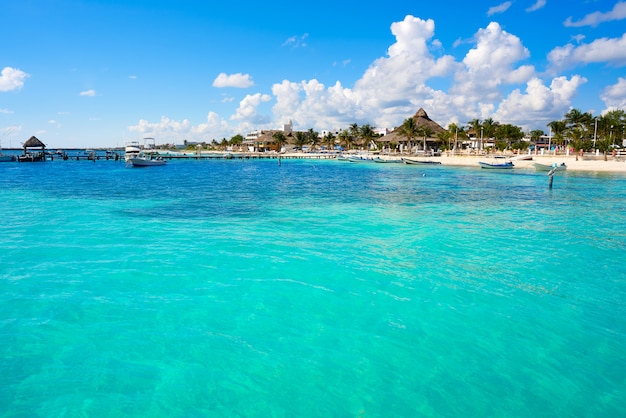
pixel 164 127
pixel 539 102
pixel 594 19
pixel 614 96
pixel 491 64
pixel 248 109
pixel 6 111
pixel 500 8
pixel 88 93
pixel 238 80
pixel 492 80
pixel 538 5
pixel 12 79
pixel 611 51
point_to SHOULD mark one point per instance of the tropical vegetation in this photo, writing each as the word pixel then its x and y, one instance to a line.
pixel 580 131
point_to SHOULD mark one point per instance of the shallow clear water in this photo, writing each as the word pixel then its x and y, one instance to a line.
pixel 309 289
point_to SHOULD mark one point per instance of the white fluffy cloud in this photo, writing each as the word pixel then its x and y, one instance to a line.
pixel 539 101
pixel 614 96
pixel 88 93
pixel 491 80
pixel 12 79
pixel 238 80
pixel 604 50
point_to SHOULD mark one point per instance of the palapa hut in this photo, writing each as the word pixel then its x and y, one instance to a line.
pixel 34 150
pixel 424 124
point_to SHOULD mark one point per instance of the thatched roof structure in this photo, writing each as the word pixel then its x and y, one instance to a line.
pixel 421 120
pixel 34 142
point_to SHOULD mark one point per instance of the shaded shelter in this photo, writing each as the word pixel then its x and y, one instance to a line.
pixel 422 121
pixel 34 150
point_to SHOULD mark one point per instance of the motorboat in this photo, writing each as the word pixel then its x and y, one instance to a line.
pixel 387 160
pixel 32 157
pixel 497 165
pixel 419 162
pixel 131 150
pixel 549 167
pixel 144 159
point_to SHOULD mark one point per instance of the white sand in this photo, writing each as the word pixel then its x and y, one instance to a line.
pixel 588 163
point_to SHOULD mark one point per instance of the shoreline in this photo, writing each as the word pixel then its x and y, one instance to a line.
pixel 592 164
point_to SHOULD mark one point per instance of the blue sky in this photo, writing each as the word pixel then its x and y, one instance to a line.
pixel 96 73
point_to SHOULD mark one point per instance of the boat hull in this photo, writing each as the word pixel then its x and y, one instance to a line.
pixel 143 162
pixel 497 166
pixel 420 162
pixel 548 167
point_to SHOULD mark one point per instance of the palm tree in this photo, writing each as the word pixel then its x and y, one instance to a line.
pixel 300 139
pixel 579 121
pixel 489 127
pixel 444 136
pixel 458 131
pixel 477 126
pixel 409 130
pixel 279 139
pixel 345 139
pixel 314 138
pixel 535 135
pixel 603 145
pixel 558 130
pixel 355 132
pixel 329 140
pixel 427 132
pixel 367 134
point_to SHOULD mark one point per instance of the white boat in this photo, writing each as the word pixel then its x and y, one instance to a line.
pixel 131 150
pixel 387 160
pixel 548 167
pixel 499 162
pixel 504 165
pixel 419 162
pixel 144 159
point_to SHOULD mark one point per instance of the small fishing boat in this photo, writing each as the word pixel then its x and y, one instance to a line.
pixel 419 162
pixel 6 158
pixel 548 167
pixel 496 165
pixel 144 159
pixel 387 160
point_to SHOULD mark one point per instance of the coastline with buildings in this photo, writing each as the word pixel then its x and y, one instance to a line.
pixel 418 136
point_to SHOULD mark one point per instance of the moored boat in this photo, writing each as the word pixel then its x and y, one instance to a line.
pixel 504 165
pixel 548 167
pixel 387 160
pixel 145 160
pixel 419 162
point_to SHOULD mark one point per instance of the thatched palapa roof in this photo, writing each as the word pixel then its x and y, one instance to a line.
pixel 34 142
pixel 421 120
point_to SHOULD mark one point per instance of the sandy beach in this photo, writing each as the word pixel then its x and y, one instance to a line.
pixel 587 163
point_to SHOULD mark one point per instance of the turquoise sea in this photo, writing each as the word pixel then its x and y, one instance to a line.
pixel 310 289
